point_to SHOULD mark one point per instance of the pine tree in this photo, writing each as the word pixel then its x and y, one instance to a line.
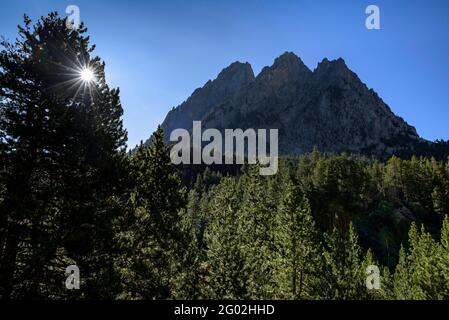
pixel 297 246
pixel 423 275
pixel 194 213
pixel 256 233
pixel 395 177
pixel 402 286
pixel 62 149
pixel 226 277
pixel 440 200
pixel 199 220
pixel 443 260
pixel 422 270
pixel 159 244
pixel 343 275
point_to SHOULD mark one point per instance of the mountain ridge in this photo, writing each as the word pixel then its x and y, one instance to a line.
pixel 328 108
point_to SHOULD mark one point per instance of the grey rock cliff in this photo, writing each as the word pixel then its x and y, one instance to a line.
pixel 228 83
pixel 328 108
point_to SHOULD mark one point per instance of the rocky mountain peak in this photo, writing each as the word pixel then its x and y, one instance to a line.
pixel 329 108
pixel 288 67
pixel 331 69
pixel 288 59
pixel 235 75
pixel 229 82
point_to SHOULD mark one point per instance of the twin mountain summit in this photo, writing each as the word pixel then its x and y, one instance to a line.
pixel 329 109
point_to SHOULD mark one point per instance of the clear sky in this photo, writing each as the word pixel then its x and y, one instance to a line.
pixel 158 52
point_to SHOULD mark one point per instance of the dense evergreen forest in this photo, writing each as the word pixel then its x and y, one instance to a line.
pixel 139 227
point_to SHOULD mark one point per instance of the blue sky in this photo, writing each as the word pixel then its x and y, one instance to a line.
pixel 158 52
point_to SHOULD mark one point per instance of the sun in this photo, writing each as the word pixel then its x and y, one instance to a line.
pixel 87 75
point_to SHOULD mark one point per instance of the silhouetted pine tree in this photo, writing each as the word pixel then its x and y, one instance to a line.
pixel 62 149
pixel 160 259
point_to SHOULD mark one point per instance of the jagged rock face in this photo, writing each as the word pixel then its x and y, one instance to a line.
pixel 329 108
pixel 228 83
